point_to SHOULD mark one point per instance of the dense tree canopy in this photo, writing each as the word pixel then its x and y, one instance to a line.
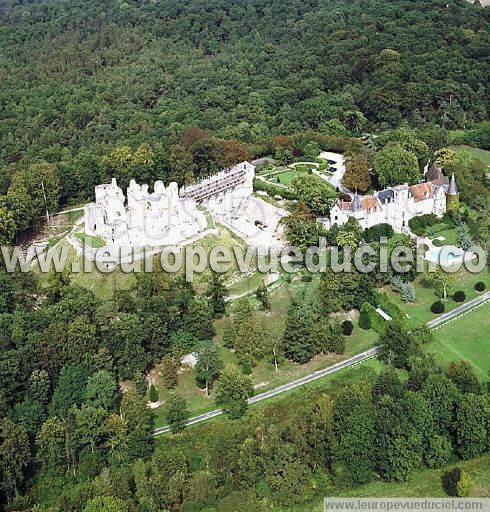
pixel 101 87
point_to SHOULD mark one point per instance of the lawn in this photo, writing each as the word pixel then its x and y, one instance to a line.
pixel 470 152
pixel 467 337
pixel 425 483
pixel 448 231
pixel 92 241
pixel 419 311
pixel 286 177
pixel 209 219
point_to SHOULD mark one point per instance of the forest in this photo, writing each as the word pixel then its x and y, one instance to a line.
pixel 82 79
pixel 177 90
pixel 76 432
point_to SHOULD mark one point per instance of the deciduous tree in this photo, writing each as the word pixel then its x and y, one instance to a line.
pixel 232 391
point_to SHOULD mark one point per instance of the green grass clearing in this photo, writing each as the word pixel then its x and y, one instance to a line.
pixel 286 177
pixel 465 338
pixel 92 241
pixel 470 152
pixel 425 483
pixel 419 311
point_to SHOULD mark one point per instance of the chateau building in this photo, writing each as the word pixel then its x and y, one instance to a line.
pixel 397 205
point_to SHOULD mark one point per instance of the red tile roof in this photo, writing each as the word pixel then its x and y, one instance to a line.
pixel 421 191
pixel 369 203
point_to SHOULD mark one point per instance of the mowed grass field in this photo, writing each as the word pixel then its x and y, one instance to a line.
pixel 286 177
pixel 466 337
pixel 419 311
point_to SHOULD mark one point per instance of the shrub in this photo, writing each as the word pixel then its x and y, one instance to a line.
pixel 374 233
pixel 480 286
pixel 407 292
pixel 438 307
pixel 437 243
pixel 153 394
pixel 306 278
pixel 457 482
pixel 347 327
pixel 371 319
pixel 388 306
pixel 423 334
pixel 459 296
pixel 364 317
pixel 419 224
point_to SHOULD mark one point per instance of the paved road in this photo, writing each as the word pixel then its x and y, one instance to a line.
pixel 368 354
pixel 460 310
pixel 336 178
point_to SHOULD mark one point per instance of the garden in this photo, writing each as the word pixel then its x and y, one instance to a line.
pixel 284 175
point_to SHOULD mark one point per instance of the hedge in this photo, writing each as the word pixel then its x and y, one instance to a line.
pixel 479 137
pixel 274 190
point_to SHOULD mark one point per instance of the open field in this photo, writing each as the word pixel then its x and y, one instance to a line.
pixel 467 337
pixel 419 311
pixel 287 176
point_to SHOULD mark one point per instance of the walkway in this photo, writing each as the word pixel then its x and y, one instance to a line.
pixel 363 356
pixel 336 178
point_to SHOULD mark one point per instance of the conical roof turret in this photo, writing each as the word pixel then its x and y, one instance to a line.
pixel 453 188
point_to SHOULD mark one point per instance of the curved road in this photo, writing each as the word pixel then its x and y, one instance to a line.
pixel 368 354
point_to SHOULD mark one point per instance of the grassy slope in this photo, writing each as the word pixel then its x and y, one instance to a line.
pixel 466 338
pixel 264 375
pixel 469 152
pixel 419 311
pixel 424 483
pixel 104 284
pixel 266 378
